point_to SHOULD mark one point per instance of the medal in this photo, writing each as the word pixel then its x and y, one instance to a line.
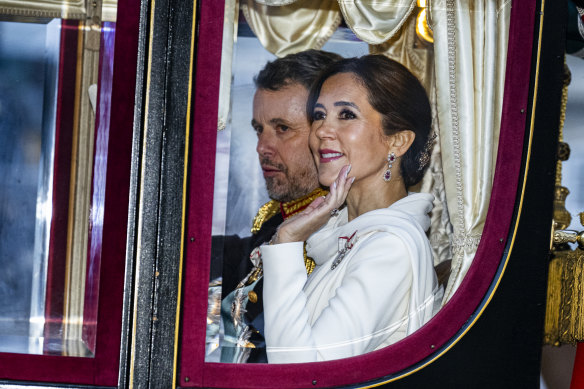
pixel 345 245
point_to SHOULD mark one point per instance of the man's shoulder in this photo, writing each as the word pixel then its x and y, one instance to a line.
pixel 266 229
pixel 265 213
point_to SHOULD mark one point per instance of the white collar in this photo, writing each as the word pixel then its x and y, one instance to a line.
pixel 403 216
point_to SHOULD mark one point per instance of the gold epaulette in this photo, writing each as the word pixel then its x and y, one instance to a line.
pixel 287 209
pixel 265 212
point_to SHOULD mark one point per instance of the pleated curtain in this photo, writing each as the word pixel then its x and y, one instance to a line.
pixel 470 52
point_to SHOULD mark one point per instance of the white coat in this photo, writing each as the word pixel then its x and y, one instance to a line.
pixel 383 289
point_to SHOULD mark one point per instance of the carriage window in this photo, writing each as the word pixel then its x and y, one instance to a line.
pixel 54 122
pixel 240 188
pixel 420 38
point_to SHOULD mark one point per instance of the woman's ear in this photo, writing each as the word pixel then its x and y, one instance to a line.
pixel 401 141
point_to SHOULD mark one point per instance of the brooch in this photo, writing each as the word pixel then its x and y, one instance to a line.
pixel 345 245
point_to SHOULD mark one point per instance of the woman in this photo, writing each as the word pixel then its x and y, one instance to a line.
pixel 374 281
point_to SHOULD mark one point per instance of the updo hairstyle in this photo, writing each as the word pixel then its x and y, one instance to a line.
pixel 397 95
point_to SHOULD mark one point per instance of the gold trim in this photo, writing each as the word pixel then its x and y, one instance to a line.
pixel 564 102
pixel 309 263
pixel 272 207
pixel 520 210
pixel 141 199
pixel 266 212
pixel 290 208
pixel 185 188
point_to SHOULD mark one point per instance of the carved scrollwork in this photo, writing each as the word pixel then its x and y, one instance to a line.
pixel 563 151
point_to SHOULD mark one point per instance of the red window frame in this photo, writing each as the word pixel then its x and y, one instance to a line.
pixel 428 343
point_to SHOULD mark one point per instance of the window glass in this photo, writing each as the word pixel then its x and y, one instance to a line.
pixel 55 78
pixel 26 158
pixel 460 151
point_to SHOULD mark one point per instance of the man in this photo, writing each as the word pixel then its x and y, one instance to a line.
pixel 282 127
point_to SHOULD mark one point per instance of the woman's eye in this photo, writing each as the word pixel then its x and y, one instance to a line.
pixel 318 115
pixel 347 115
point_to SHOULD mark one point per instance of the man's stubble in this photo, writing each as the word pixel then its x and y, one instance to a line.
pixel 293 185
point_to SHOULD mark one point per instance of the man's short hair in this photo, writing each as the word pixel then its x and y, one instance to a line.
pixel 301 68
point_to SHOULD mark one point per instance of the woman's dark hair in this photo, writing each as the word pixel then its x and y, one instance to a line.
pixel 397 95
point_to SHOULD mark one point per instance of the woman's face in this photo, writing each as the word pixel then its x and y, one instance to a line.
pixel 347 130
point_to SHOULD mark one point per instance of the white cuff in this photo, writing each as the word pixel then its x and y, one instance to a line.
pixel 284 259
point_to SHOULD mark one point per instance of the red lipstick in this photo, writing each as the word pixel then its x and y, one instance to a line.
pixel 327 155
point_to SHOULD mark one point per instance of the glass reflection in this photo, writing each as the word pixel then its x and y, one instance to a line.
pixel 29 62
pixel 56 80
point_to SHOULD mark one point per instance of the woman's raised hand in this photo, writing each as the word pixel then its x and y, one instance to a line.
pixel 299 227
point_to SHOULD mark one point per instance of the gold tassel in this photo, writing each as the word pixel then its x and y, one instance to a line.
pixel 554 299
pixel 564 322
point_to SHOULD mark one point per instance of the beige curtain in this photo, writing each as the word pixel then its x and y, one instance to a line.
pixel 470 45
pixel 305 24
pixel 290 26
pixel 375 21
pixel 276 2
pixel 229 37
pixel 440 226
pixel 406 48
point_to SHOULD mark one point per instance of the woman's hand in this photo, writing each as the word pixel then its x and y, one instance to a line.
pixel 299 227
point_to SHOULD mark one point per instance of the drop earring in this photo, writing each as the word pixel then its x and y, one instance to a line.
pixel 390 160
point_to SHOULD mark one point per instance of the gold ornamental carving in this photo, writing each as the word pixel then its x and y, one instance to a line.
pixel 562 217
pixel 564 320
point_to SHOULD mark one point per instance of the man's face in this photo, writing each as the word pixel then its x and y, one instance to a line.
pixel 279 119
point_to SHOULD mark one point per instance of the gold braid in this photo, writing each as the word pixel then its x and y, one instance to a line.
pixel 272 207
pixel 265 212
